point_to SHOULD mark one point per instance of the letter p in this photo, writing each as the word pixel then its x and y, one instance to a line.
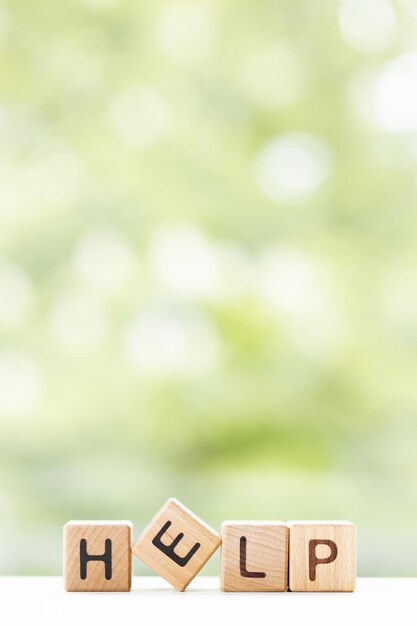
pixel 313 560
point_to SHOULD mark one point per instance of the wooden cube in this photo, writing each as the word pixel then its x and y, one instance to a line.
pixel 176 544
pixel 254 556
pixel 322 556
pixel 97 556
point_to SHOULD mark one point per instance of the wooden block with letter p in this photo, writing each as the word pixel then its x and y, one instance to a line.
pixel 97 556
pixel 254 556
pixel 176 544
pixel 322 556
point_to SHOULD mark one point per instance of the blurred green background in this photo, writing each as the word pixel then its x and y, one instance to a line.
pixel 208 268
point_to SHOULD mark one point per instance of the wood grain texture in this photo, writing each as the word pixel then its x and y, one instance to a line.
pixel 254 556
pixel 91 537
pixel 176 544
pixel 322 556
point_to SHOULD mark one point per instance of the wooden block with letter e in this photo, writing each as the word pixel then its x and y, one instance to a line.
pixel 254 556
pixel 322 556
pixel 97 556
pixel 176 544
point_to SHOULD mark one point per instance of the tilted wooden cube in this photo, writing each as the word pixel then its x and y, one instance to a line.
pixel 97 556
pixel 176 544
pixel 322 556
pixel 254 556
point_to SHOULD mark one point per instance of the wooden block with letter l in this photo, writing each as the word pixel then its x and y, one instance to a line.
pixel 254 556
pixel 176 544
pixel 322 556
pixel 97 556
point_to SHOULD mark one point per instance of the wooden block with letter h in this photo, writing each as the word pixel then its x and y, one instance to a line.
pixel 176 544
pixel 254 556
pixel 322 556
pixel 97 556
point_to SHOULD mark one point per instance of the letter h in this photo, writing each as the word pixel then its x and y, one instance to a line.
pixel 106 557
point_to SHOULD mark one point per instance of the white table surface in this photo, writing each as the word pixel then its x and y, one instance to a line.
pixel 43 601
